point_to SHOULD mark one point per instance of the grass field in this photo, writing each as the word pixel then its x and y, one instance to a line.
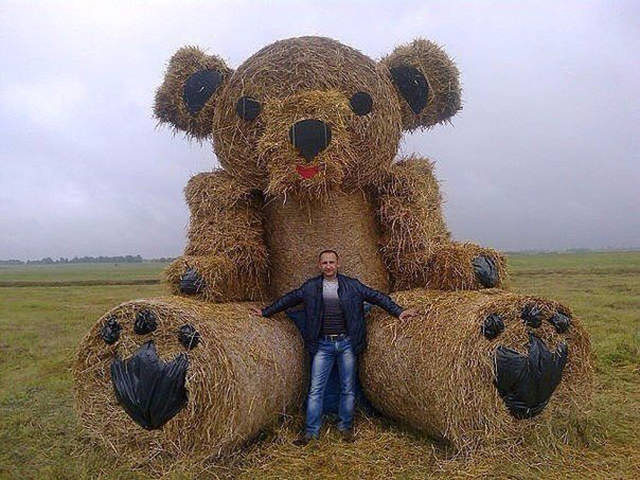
pixel 41 326
pixel 70 274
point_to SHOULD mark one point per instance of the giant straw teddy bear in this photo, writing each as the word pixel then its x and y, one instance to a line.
pixel 306 132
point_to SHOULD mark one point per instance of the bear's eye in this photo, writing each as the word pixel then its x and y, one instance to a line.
pixel 361 103
pixel 248 108
pixel 188 336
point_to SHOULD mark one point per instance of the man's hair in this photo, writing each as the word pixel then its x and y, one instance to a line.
pixel 328 251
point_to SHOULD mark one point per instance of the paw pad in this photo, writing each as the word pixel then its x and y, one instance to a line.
pixel 110 331
pixel 191 282
pixel 485 270
pixel 188 336
pixel 146 322
pixel 532 315
pixel 560 321
pixel 493 326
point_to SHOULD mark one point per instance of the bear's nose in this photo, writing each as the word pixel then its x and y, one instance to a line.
pixel 310 137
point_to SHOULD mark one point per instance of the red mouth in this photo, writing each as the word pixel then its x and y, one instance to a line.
pixel 306 172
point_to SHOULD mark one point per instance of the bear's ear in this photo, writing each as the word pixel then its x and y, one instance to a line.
pixel 190 90
pixel 426 81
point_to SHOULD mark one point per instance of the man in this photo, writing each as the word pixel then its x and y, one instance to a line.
pixel 333 331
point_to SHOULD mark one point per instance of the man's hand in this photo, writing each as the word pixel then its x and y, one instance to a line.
pixel 256 312
pixel 408 314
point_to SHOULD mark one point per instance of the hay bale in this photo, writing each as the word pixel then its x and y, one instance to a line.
pixel 242 375
pixel 449 266
pixel 436 372
pixel 224 280
pixel 415 243
pixel 225 240
pixel 345 223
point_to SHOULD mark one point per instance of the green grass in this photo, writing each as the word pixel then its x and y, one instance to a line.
pixel 578 263
pixel 80 272
pixel 42 326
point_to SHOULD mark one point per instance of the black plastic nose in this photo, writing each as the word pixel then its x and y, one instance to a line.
pixel 526 383
pixel 151 391
pixel 310 137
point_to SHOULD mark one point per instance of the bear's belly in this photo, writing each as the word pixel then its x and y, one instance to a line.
pixel 298 230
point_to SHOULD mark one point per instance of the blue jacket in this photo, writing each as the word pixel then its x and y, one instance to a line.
pixel 352 294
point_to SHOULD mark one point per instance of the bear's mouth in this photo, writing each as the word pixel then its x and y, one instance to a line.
pixel 307 172
pixel 150 390
pixel 526 383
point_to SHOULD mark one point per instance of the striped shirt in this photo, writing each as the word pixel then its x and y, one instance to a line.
pixel 332 316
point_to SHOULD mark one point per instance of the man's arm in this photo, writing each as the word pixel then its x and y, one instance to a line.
pixel 288 300
pixel 380 299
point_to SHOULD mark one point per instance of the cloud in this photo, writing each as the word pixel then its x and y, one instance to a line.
pixel 47 103
pixel 544 154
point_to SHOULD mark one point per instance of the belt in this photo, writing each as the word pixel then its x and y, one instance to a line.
pixel 333 338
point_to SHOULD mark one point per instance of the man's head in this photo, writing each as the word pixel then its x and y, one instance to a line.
pixel 328 263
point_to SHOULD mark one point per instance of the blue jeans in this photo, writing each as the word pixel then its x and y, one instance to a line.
pixel 323 360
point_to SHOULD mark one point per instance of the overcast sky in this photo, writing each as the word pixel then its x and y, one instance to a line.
pixel 545 154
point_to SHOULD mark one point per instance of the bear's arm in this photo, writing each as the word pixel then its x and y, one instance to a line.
pixel 416 246
pixel 225 258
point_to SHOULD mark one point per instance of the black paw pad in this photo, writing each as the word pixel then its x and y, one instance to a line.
pixel 188 336
pixel 526 382
pixel 485 270
pixel 146 322
pixel 493 326
pixel 110 331
pixel 532 315
pixel 560 321
pixel 191 282
pixel 149 389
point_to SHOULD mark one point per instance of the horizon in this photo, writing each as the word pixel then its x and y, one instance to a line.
pixel 56 259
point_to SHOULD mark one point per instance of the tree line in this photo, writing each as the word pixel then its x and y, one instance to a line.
pixel 85 259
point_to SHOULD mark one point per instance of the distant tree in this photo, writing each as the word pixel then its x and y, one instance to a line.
pixel 11 262
pixel 85 259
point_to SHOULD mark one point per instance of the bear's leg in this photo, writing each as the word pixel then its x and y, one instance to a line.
pixel 477 365
pixel 185 377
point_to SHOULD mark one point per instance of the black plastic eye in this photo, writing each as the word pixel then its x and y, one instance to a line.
pixel 560 321
pixel 492 326
pixel 146 322
pixel 248 108
pixel 110 331
pixel 361 103
pixel 188 336
pixel 532 315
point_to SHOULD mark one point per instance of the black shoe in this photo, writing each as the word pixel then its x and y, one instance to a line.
pixel 303 440
pixel 347 435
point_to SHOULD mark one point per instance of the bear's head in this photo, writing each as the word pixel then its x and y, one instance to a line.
pixel 308 115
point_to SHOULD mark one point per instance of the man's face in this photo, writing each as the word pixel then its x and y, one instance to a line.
pixel 328 264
